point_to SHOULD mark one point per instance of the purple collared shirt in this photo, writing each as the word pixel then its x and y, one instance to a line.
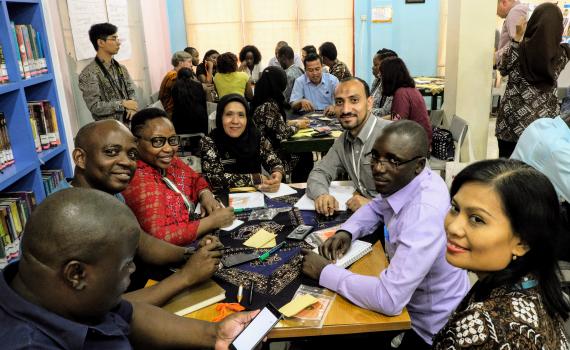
pixel 418 276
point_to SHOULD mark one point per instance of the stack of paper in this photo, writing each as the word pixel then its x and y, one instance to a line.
pixel 246 200
pixel 261 239
pixel 341 193
pixel 284 190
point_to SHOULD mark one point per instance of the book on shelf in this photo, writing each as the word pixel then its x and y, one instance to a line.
pixel 196 298
pixel 30 54
pixel 45 129
pixel 3 70
pixel 51 179
pixel 6 153
pixel 15 209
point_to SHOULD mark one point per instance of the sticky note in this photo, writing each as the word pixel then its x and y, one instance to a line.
pixel 261 239
pixel 298 304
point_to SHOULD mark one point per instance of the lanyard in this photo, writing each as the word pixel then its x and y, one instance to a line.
pixel 111 79
pixel 189 205
pixel 356 162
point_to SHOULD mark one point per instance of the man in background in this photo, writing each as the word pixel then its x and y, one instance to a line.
pixel 274 61
pixel 180 59
pixel 511 11
pixel 315 89
pixel 285 57
pixel 195 55
pixel 337 68
pixel 106 85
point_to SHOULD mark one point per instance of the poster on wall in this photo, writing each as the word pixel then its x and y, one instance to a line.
pixel 84 13
pixel 382 14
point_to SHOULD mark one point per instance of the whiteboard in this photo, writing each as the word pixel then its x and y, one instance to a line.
pixel 84 13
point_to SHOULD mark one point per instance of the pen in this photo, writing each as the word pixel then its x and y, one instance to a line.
pixel 251 293
pixel 265 255
pixel 240 294
pixel 239 210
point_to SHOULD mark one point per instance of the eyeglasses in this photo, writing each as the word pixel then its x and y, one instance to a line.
pixel 159 141
pixel 113 38
pixel 392 163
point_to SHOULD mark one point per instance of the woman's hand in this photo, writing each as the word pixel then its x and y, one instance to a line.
pixel 272 184
pixel 520 29
pixel 301 123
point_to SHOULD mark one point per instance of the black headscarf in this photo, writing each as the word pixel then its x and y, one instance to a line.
pixel 540 48
pixel 270 86
pixel 245 149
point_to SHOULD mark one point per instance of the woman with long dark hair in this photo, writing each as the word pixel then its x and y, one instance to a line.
pixel 504 225
pixel 206 70
pixel 190 114
pixel 407 102
pixel 532 61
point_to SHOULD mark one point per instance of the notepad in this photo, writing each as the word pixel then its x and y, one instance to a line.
pixel 261 239
pixel 246 200
pixel 196 298
pixel 298 304
pixel 357 250
pixel 341 193
pixel 236 223
pixel 284 190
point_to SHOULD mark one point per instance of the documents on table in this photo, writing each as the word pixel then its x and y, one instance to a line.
pixel 249 200
pixel 284 190
pixel 234 224
pixel 298 304
pixel 341 193
pixel 261 239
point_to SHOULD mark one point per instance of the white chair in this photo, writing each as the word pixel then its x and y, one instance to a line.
pixel 458 130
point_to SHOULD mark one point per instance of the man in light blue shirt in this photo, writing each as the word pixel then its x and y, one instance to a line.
pixel 545 145
pixel 315 89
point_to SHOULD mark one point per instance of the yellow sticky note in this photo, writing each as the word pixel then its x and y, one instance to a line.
pixel 260 239
pixel 298 304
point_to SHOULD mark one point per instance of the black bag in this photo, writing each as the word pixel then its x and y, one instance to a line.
pixel 442 145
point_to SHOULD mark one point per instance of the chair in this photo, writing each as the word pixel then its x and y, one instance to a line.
pixel 458 130
pixel 436 117
pixel 189 150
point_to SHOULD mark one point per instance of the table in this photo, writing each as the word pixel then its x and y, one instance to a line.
pixel 311 144
pixel 431 87
pixel 343 317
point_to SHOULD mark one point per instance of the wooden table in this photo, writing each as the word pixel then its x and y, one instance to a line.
pixel 343 317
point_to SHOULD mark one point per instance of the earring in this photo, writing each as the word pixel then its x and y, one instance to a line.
pixel 515 257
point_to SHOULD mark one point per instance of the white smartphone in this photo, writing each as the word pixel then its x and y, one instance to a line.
pixel 257 329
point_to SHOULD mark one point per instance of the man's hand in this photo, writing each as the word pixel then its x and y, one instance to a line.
pixel 330 111
pixel 208 204
pixel 313 264
pixel 202 264
pixel 356 201
pixel 335 247
pixel 130 104
pixel 272 184
pixel 230 327
pixel 326 204
pixel 129 113
pixel 520 29
pixel 306 105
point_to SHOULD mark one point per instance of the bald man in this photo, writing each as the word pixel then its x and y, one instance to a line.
pixel 65 292
pixel 105 159
pixel 273 61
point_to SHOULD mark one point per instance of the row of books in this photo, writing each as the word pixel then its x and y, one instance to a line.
pixel 30 52
pixel 51 179
pixel 44 125
pixel 6 154
pixel 3 70
pixel 15 209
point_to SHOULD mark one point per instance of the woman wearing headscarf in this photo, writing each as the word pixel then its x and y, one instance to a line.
pixel 234 153
pixel 190 114
pixel 532 61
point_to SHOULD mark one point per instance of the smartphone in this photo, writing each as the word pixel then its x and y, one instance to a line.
pixel 300 232
pixel 257 329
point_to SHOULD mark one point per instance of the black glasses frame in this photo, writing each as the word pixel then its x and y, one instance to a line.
pixel 392 163
pixel 159 141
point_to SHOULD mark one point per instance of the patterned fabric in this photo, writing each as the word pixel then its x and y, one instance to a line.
pixel 509 319
pixel 523 103
pixel 376 94
pixel 161 211
pixel 219 179
pixel 102 99
pixel 340 70
pixel 165 92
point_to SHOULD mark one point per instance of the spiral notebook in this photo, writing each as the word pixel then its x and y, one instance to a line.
pixel 357 250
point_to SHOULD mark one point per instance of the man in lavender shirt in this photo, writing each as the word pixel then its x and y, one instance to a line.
pixel 411 204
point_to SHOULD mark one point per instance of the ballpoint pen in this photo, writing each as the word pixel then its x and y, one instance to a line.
pixel 251 293
pixel 265 255
pixel 240 293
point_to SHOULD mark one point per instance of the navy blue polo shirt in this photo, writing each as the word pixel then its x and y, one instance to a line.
pixel 29 326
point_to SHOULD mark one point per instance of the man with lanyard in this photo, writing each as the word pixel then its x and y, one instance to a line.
pixel 353 104
pixel 106 85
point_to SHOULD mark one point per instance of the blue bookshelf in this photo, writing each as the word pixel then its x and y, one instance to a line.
pixel 25 173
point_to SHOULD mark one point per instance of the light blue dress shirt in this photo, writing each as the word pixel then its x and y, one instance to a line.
pixel 321 95
pixel 418 277
pixel 545 145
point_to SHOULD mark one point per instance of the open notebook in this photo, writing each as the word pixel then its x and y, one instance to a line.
pixel 357 250
pixel 195 298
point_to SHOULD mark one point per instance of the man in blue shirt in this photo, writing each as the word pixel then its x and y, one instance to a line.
pixel 315 89
pixel 65 292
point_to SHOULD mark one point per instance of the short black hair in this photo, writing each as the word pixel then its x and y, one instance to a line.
pixel 309 49
pixel 538 225
pixel 253 50
pixel 385 53
pixel 101 31
pixel 141 117
pixel 226 63
pixel 190 49
pixel 366 87
pixel 414 131
pixel 312 57
pixel 328 50
pixel 287 52
pixel 210 53
pixel 395 75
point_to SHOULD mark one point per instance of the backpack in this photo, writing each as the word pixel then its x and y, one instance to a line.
pixel 442 145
